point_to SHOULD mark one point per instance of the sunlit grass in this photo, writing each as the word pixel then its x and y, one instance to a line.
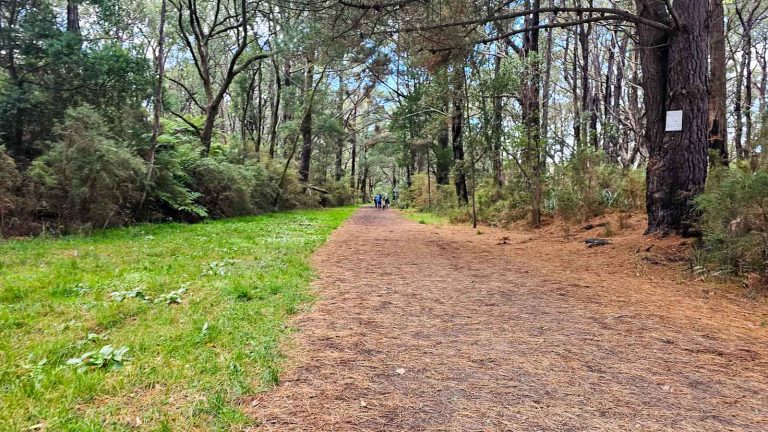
pixel 425 218
pixel 189 362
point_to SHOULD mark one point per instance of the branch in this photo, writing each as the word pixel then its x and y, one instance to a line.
pixel 613 12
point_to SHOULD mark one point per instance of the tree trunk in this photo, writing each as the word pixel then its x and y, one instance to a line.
pixel 547 88
pixel 457 136
pixel 306 122
pixel 206 136
pixel 259 112
pixel 288 101
pixel 496 133
pixel 738 110
pixel 718 126
pixel 443 156
pixel 73 16
pixel 353 155
pixel 575 92
pixel 158 99
pixel 277 92
pixel 675 78
pixel 530 102
pixel 584 33
pixel 748 94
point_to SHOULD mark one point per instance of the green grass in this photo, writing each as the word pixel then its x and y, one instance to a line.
pixel 189 363
pixel 425 218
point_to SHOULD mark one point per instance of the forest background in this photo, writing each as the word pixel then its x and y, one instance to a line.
pixel 114 112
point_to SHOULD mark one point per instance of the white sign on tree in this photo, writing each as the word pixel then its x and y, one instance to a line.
pixel 674 121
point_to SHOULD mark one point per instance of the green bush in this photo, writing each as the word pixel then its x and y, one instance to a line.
pixel 735 222
pixel 441 199
pixel 85 178
pixel 589 185
pixel 502 206
pixel 339 194
pixel 10 182
pixel 226 189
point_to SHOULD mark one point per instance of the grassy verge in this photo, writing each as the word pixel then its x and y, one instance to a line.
pixel 201 308
pixel 425 218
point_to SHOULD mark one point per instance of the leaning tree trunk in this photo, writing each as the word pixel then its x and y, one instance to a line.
pixel 675 78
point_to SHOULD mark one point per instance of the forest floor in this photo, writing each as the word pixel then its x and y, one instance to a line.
pixel 423 327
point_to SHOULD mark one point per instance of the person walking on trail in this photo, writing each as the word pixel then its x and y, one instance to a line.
pixel 377 201
pixel 386 202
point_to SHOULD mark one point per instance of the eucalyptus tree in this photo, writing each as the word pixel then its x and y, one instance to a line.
pixel 226 33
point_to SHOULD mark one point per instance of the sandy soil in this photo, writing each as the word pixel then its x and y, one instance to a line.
pixel 424 328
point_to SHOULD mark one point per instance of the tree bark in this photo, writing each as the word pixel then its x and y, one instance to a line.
pixel 718 126
pixel 496 133
pixel 443 155
pixel 73 17
pixel 277 93
pixel 339 160
pixel 675 78
pixel 530 101
pixel 306 122
pixel 457 135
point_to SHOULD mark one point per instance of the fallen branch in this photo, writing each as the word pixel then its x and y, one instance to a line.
pixel 595 242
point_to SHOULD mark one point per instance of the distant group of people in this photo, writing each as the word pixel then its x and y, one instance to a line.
pixel 381 201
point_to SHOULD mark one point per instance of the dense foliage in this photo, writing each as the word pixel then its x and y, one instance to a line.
pixel 735 223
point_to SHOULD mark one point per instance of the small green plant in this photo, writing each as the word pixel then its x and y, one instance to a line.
pixel 107 357
pixel 173 297
pixel 218 268
pixel 36 373
pixel 119 296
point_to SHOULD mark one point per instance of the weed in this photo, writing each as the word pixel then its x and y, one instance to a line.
pixel 106 358
pixel 173 297
pixel 119 296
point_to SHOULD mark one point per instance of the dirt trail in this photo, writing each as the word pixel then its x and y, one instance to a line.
pixel 421 328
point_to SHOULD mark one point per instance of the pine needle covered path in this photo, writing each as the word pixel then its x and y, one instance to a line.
pixel 420 328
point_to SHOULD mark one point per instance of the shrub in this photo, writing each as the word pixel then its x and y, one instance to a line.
pixel 86 178
pixel 225 189
pixel 589 184
pixel 10 181
pixel 441 199
pixel 339 194
pixel 170 185
pixel 735 222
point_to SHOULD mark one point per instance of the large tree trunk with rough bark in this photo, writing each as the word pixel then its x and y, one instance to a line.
pixel 675 76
